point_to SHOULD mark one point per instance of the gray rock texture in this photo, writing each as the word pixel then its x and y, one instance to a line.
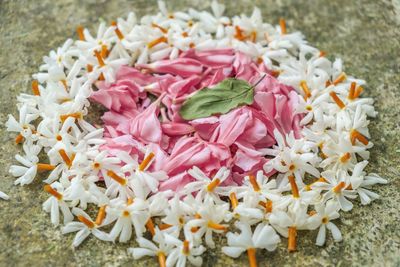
pixel 365 34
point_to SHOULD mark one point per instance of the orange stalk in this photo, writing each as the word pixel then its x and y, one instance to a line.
pixel 233 199
pixel 293 185
pixel 211 186
pixel 116 177
pixel 79 31
pixel 239 33
pixel 52 192
pixel 35 87
pixel 340 78
pixel 162 29
pixel 146 161
pixel 266 205
pixel 45 167
pixel 101 215
pixel 161 259
pixel 76 115
pixel 19 139
pixel 356 135
pixel 164 226
pixel 352 91
pixel 337 189
pixel 150 226
pixel 185 249
pixel 104 51
pixel 358 92
pixel 254 183
pixel 99 58
pixel 292 239
pixel 89 67
pixel 157 41
pixel 345 157
pixel 305 88
pixel 216 226
pixel 65 157
pixel 119 34
pixel 251 255
pixel 337 100
pixel 86 221
pixel 282 24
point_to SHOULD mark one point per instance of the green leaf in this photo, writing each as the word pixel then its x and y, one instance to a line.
pixel 223 97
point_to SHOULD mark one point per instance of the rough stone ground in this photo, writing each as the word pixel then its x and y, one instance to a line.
pixel 365 34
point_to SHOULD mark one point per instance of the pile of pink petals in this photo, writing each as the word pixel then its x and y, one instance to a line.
pixel 144 105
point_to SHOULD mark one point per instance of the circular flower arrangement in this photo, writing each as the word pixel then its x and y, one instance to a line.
pixel 215 126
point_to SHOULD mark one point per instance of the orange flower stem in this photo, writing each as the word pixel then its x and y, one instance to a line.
pixel 45 167
pixel 295 189
pixel 101 215
pixel 251 255
pixel 150 226
pixel 282 24
pixel 146 161
pixel 161 259
pixel 52 192
pixel 292 239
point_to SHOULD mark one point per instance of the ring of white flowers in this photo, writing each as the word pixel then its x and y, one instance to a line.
pixel 335 138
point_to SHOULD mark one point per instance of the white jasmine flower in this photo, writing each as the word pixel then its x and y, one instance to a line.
pixel 208 221
pixel 23 126
pixel 55 203
pixel 183 251
pixel 119 185
pixel 157 248
pixel 178 214
pixel 337 186
pixel 26 172
pixel 287 223
pixel 207 188
pixel 84 227
pixel 361 183
pixel 83 190
pixel 258 188
pixel 62 57
pixel 324 214
pixel 263 237
pixel 294 159
pixel 127 213
pixel 149 179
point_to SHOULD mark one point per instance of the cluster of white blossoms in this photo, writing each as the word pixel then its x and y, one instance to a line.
pixel 318 175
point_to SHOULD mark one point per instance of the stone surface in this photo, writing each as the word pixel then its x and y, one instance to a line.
pixel 364 33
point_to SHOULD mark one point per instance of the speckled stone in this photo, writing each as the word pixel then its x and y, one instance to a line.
pixel 365 34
